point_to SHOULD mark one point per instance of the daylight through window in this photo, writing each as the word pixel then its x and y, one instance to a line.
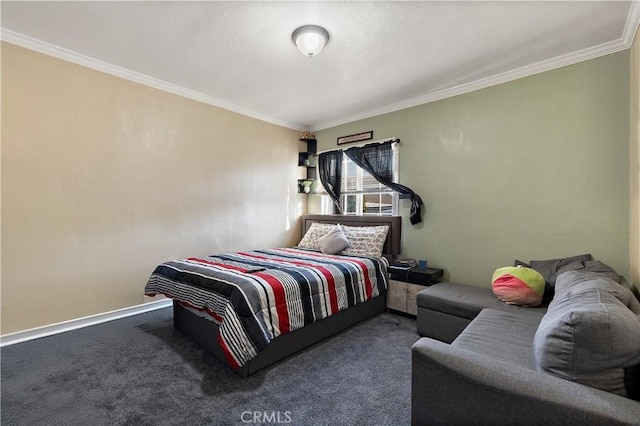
pixel 362 194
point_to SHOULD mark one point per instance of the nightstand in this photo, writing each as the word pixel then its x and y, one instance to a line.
pixel 405 284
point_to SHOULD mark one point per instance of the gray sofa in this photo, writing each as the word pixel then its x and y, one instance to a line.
pixel 482 361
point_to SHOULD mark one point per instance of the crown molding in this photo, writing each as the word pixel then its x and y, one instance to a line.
pixel 86 61
pixel 623 43
pixel 529 70
pixel 633 21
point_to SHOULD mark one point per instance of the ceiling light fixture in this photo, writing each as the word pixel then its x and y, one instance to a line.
pixel 310 39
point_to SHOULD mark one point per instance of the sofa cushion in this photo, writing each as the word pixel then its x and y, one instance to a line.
pixel 460 300
pixel 507 336
pixel 575 282
pixel 590 334
pixel 594 266
pixel 549 268
pixel 518 285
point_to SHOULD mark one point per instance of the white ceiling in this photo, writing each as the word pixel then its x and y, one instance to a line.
pixel 382 56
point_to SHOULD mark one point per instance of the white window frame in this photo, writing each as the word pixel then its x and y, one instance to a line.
pixel 326 204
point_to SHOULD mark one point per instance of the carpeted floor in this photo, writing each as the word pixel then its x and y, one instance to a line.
pixel 140 371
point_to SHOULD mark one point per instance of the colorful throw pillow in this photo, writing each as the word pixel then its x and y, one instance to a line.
pixel 314 233
pixel 333 242
pixel 365 240
pixel 518 285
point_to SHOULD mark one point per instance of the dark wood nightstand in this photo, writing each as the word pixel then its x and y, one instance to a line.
pixel 405 284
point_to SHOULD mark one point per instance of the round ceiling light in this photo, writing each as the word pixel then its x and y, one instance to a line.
pixel 310 39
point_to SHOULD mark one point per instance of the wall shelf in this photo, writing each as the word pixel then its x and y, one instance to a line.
pixel 307 159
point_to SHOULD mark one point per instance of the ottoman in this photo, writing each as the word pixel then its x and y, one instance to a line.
pixel 445 309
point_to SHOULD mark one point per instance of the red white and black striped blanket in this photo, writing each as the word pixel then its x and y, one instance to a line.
pixel 255 296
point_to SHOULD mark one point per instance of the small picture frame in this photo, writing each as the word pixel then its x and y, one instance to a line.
pixel 364 136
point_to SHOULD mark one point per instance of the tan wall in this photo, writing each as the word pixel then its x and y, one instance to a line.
pixel 634 165
pixel 102 179
pixel 533 169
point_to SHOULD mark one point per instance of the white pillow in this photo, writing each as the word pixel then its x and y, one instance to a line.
pixel 333 242
pixel 365 240
pixel 314 233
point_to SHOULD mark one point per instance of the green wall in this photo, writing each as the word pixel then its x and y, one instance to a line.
pixel 536 168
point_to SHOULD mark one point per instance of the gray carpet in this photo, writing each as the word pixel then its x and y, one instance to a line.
pixel 140 371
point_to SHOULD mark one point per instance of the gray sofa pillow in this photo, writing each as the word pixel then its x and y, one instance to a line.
pixel 594 266
pixel 549 268
pixel 589 335
pixel 574 282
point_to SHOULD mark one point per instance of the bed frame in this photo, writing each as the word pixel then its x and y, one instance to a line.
pixel 203 331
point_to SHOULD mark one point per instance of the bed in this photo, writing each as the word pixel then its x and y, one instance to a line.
pixel 215 305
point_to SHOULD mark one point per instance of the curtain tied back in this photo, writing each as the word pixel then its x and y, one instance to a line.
pixel 377 160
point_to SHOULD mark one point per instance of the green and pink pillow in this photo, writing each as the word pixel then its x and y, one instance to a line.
pixel 518 285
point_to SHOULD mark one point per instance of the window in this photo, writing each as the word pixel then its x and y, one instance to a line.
pixel 362 194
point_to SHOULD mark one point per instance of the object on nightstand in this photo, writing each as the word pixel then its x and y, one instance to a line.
pixel 415 275
pixel 403 263
pixel 405 284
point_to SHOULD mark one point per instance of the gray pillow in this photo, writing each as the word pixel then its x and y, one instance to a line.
pixel 574 282
pixel 549 268
pixel 333 242
pixel 589 335
pixel 594 266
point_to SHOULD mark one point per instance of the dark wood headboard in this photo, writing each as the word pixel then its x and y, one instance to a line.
pixel 391 245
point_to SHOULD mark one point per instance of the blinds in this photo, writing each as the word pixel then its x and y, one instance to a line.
pixel 357 181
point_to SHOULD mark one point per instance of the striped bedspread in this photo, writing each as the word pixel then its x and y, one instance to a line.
pixel 255 296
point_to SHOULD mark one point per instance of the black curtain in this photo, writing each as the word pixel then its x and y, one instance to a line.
pixel 330 170
pixel 377 159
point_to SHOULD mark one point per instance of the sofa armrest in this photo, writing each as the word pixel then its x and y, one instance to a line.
pixel 456 386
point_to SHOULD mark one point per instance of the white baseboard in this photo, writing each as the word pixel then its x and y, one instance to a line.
pixel 61 327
